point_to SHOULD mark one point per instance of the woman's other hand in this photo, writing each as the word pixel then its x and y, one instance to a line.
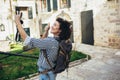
pixel 47 27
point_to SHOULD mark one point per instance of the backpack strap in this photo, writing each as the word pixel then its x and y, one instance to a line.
pixel 45 55
pixel 62 51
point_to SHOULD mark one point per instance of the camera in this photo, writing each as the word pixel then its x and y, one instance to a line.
pixel 17 9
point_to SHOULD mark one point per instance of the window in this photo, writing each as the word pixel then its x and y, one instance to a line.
pixel 36 7
pixel 55 6
pixel 65 4
pixel 30 15
pixel 43 5
pixel 48 6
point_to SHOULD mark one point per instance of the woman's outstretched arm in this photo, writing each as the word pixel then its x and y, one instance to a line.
pixel 19 27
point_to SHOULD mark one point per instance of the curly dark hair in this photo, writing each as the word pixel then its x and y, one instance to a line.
pixel 65 29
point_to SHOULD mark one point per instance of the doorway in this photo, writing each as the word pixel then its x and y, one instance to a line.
pixel 87 27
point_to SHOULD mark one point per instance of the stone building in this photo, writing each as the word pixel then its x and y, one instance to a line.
pixel 94 22
pixel 29 17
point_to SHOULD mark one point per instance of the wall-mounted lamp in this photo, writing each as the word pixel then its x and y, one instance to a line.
pixel 2 27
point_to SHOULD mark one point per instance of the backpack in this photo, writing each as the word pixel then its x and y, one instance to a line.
pixel 63 56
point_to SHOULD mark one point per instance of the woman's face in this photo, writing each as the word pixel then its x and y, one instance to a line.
pixel 55 28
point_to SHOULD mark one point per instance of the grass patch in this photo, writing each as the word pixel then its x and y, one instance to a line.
pixel 75 55
pixel 14 67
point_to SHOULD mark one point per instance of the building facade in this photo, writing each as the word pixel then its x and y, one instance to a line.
pixel 29 18
pixel 94 22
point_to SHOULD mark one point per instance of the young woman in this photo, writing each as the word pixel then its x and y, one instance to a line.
pixel 61 31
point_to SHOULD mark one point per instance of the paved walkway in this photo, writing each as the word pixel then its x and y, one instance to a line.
pixel 104 65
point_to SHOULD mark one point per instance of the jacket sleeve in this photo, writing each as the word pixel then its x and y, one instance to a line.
pixel 39 43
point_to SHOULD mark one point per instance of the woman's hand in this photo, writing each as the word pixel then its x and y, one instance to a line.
pixel 17 19
pixel 45 34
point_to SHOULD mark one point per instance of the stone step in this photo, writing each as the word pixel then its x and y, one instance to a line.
pixel 95 70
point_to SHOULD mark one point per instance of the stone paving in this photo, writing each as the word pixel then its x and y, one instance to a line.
pixel 104 65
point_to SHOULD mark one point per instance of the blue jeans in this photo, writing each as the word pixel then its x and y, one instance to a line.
pixel 48 76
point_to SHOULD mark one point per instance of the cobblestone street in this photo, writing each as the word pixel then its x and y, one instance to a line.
pixel 101 67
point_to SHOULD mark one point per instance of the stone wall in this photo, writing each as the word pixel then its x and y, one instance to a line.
pixel 106 19
pixel 5 19
pixel 107 25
